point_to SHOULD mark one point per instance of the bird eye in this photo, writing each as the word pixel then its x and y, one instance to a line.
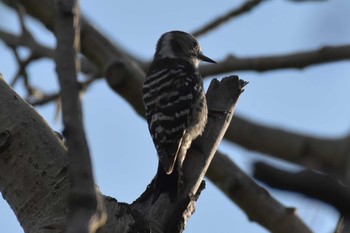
pixel 196 46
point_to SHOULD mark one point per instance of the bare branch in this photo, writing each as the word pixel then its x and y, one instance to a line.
pixel 46 98
pixel 245 7
pixel 32 92
pixel 22 69
pixel 38 167
pixel 37 51
pixel 254 200
pixel 87 212
pixel 322 154
pixel 297 60
pixel 310 183
pixel 14 41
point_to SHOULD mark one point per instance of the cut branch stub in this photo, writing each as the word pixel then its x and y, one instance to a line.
pixel 166 214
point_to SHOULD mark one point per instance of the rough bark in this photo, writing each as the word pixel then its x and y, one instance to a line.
pixel 33 166
pixel 34 179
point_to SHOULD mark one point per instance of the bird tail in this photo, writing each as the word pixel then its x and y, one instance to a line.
pixel 165 183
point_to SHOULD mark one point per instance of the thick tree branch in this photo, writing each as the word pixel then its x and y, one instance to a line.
pixel 254 200
pixel 317 153
pixel 297 60
pixel 310 183
pixel 245 7
pixel 33 166
pixel 86 213
pixel 33 170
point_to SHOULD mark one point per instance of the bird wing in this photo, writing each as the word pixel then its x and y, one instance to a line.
pixel 169 105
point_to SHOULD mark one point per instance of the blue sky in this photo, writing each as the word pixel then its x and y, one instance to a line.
pixel 313 100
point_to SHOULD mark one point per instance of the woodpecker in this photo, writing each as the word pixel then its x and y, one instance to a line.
pixel 174 98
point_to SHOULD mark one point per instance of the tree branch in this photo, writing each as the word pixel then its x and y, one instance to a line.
pixel 33 166
pixel 310 183
pixel 87 212
pixel 245 7
pixel 322 154
pixel 297 60
pixel 254 200
pixel 37 51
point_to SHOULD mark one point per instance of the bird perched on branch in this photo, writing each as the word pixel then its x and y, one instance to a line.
pixel 175 102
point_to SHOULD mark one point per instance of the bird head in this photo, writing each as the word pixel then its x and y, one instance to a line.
pixel 178 44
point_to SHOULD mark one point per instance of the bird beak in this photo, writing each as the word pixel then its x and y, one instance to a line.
pixel 205 58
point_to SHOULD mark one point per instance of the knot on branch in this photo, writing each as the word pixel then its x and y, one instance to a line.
pixel 5 140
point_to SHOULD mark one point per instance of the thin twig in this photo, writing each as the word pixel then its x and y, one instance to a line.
pixel 245 7
pixel 46 98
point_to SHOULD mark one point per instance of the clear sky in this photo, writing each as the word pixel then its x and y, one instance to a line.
pixel 314 100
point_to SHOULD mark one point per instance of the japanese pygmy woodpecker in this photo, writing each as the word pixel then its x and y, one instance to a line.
pixel 174 98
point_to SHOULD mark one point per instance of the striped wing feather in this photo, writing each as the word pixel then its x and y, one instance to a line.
pixel 168 96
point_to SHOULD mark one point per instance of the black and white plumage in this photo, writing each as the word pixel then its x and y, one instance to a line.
pixel 174 97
